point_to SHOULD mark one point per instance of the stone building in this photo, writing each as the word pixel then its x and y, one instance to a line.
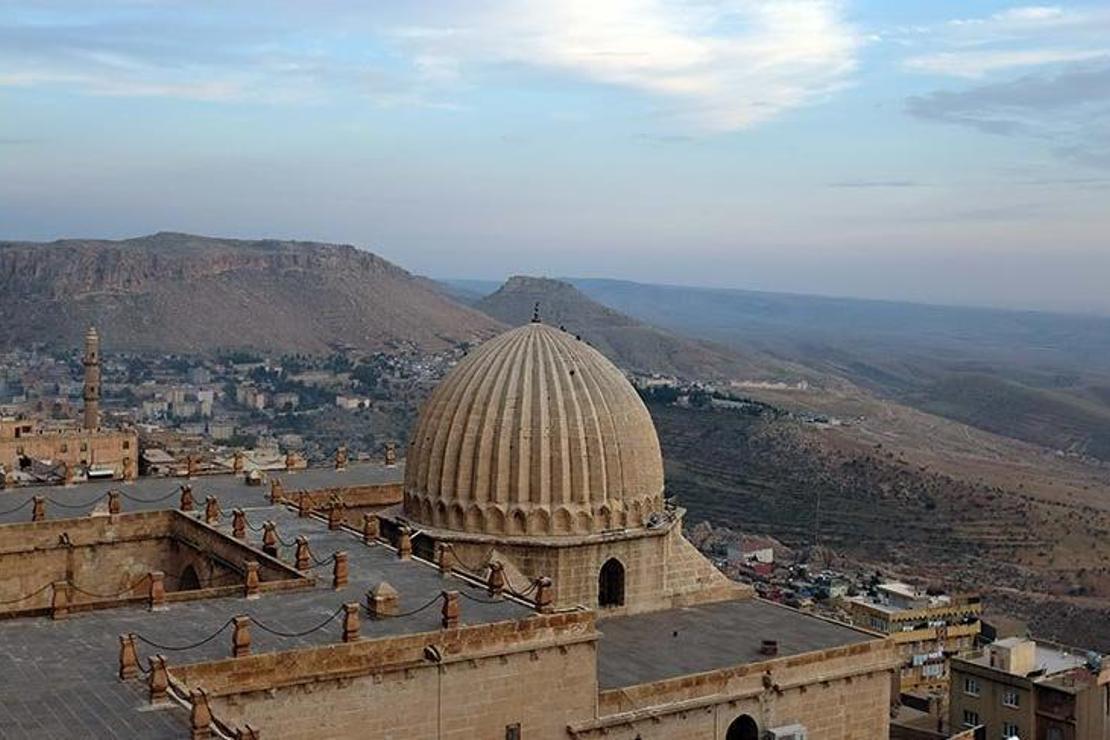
pixel 78 450
pixel 529 580
pixel 1017 687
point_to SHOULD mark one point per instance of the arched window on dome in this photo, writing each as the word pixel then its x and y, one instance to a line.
pixel 743 728
pixel 610 584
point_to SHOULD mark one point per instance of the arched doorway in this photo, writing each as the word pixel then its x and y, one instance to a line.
pixel 610 584
pixel 743 728
pixel 189 580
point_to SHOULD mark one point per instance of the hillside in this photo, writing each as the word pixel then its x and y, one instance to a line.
pixel 173 292
pixel 1023 542
pixel 629 343
pixel 1035 376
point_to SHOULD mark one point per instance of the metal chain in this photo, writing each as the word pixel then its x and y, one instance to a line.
pixel 175 648
pixel 24 505
pixel 280 633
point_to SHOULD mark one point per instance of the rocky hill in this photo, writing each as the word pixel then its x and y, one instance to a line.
pixel 172 292
pixel 630 343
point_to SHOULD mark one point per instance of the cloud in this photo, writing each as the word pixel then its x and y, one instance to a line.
pixel 1069 109
pixel 1021 37
pixel 876 184
pixel 980 63
pixel 708 65
pixel 715 66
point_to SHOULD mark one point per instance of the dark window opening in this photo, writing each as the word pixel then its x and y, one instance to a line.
pixel 512 732
pixel 610 584
pixel 743 728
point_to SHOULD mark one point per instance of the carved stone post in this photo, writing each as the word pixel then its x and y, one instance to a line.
pixel 241 637
pixel 545 594
pixel 200 718
pixel 59 600
pixel 211 511
pixel 304 504
pixel 187 503
pixel 371 528
pixel 115 504
pixel 303 559
pixel 390 454
pixel 269 539
pixel 239 524
pixel 341 457
pixel 495 583
pixel 277 492
pixel 237 462
pixel 404 543
pixel 159 682
pixel 443 558
pixel 128 658
pixel 335 513
pixel 38 509
pixel 340 570
pixel 450 611
pixel 251 581
pixel 157 593
pixel 351 626
pixel 191 466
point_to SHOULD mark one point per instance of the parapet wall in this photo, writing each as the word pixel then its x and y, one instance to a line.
pixel 485 679
pixel 837 694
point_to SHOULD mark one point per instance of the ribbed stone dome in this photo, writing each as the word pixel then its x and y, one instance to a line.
pixel 534 432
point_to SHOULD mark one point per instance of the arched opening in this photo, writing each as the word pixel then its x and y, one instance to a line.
pixel 743 728
pixel 610 584
pixel 189 580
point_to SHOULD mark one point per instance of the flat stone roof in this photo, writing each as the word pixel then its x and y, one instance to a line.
pixel 60 676
pixel 643 648
pixel 231 490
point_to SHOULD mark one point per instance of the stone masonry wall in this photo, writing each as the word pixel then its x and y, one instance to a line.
pixel 539 672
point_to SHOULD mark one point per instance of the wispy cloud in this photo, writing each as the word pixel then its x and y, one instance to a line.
pixel 712 65
pixel 715 66
pixel 876 184
pixel 1069 109
pixel 1012 39
pixel 980 63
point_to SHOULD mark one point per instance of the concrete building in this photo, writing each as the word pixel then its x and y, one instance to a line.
pixel 927 628
pixel 1019 688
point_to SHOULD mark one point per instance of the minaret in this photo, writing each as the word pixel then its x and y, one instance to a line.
pixel 92 379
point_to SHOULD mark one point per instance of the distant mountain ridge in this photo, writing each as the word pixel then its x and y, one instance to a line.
pixel 628 342
pixel 176 292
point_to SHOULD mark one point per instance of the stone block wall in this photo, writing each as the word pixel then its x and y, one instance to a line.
pixel 662 569
pixel 539 672
pixel 837 694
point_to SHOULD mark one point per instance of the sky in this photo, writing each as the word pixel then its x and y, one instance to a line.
pixel 940 151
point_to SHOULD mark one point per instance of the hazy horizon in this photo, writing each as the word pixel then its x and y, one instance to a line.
pixel 937 153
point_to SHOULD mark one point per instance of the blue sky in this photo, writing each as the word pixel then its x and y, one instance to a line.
pixel 953 152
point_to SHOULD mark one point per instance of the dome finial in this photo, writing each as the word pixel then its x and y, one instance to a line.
pixel 536 313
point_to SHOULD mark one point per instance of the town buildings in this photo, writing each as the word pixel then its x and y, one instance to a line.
pixel 1017 687
pixel 926 627
pixel 528 579
pixel 35 450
